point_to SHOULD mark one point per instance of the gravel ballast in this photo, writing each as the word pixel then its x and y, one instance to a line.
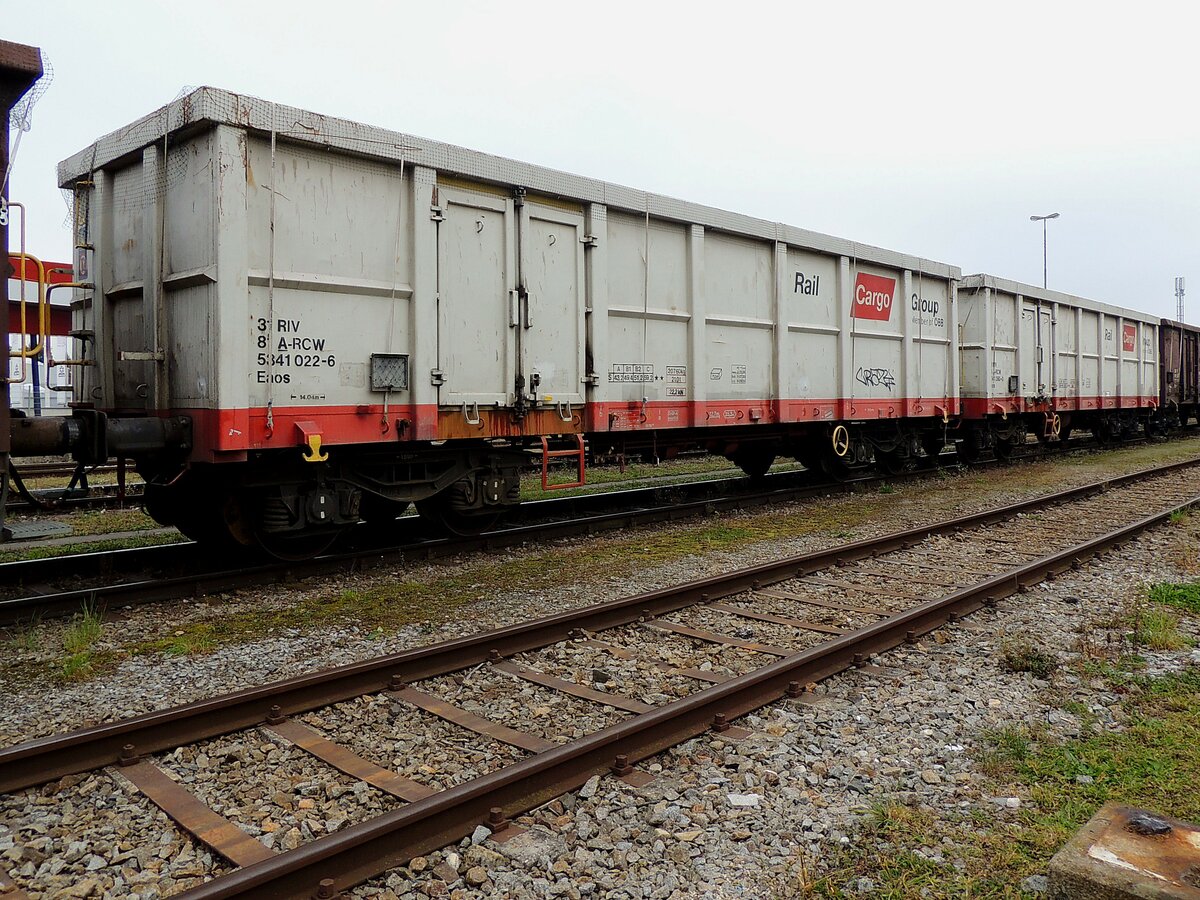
pixel 721 819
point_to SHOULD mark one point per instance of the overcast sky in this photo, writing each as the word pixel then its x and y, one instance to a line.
pixel 931 128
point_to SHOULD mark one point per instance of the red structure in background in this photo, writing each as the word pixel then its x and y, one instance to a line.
pixel 60 316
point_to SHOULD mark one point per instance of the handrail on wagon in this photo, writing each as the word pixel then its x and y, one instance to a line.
pixel 23 353
pixel 51 362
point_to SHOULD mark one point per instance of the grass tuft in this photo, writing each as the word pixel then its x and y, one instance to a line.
pixel 78 641
pixel 1150 762
pixel 83 631
pixel 1025 656
pixel 1158 629
pixel 77 666
pixel 1181 596
pixel 29 635
pixel 1003 749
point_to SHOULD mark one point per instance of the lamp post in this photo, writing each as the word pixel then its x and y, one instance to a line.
pixel 1043 220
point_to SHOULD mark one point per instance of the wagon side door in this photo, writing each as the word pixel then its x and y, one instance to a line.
pixel 476 300
pixel 552 293
pixel 1046 356
pixel 1029 351
pixel 1190 389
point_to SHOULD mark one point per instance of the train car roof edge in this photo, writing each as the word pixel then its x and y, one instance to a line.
pixel 219 107
pixel 974 282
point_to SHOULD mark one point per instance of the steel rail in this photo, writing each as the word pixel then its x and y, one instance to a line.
pixel 189 553
pixel 99 497
pixel 160 558
pixel 346 858
pixel 47 758
pixel 637 510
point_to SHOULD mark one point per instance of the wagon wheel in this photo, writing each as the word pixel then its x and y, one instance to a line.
pixel 1003 449
pixel 443 519
pixel 835 468
pixel 890 462
pixel 970 448
pixel 755 461
pixel 933 445
pixel 210 513
pixel 297 546
pixel 1104 433
pixel 379 511
pixel 809 457
pixel 157 503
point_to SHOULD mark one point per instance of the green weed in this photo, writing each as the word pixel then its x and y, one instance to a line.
pixel 1151 762
pixel 1158 629
pixel 1182 596
pixel 83 630
pixel 1025 656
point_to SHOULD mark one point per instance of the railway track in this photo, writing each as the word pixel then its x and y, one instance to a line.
pixel 102 496
pixel 177 571
pixel 185 571
pixel 675 662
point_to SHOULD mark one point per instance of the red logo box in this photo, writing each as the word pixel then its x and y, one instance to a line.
pixel 873 295
pixel 1129 337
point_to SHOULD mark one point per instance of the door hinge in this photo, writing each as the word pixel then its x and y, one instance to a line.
pixel 591 379
pixel 437 377
pixel 589 240
pixel 436 213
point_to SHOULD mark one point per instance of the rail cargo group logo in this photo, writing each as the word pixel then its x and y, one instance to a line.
pixel 1128 337
pixel 873 296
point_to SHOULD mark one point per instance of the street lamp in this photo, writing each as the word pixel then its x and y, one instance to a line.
pixel 1043 220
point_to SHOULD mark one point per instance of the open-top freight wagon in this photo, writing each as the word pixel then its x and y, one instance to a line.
pixel 1179 354
pixel 1044 362
pixel 336 321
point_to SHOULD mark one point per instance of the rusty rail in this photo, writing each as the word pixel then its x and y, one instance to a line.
pixel 349 857
pixel 45 759
pixel 585 512
pixel 434 819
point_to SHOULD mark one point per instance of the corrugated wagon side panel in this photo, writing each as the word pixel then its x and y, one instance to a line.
pixel 814 309
pixel 189 274
pixel 932 346
pixel 739 323
pixel 123 298
pixel 1066 353
pixel 976 322
pixel 648 271
pixel 328 280
pixel 875 344
pixel 1091 340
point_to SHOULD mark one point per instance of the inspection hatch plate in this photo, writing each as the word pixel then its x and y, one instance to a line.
pixel 28 531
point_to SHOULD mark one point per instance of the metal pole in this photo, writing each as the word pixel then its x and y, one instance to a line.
pixel 1043 254
pixel 1043 220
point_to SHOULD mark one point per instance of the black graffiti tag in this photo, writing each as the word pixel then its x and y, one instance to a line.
pixel 876 377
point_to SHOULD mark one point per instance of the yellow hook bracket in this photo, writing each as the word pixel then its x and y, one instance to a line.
pixel 314 446
pixel 310 432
